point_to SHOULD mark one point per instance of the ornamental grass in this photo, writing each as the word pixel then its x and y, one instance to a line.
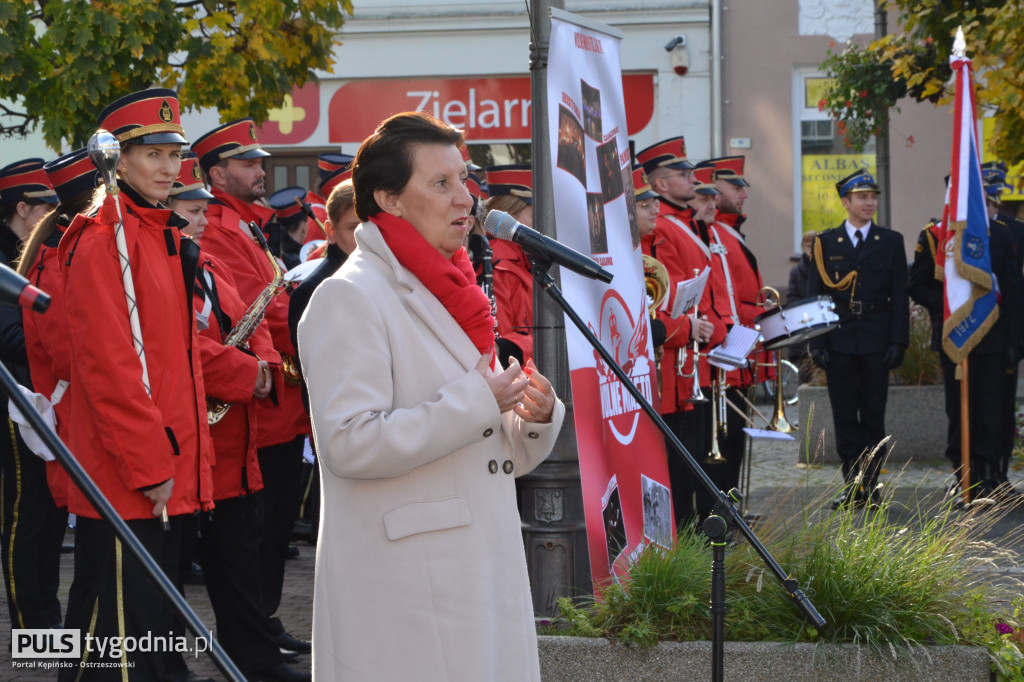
pixel 892 578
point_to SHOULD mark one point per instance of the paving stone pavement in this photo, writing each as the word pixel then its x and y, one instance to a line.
pixel 774 475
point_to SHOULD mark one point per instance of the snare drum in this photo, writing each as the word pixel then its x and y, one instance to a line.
pixel 796 322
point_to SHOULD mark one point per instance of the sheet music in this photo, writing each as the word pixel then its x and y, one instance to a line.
pixel 733 352
pixel 689 292
pixel 765 433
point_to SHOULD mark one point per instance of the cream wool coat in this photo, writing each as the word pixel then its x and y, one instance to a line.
pixel 420 567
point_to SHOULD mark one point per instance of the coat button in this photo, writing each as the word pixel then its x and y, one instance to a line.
pixel 488 432
pixel 507 466
pixel 492 466
pixel 533 434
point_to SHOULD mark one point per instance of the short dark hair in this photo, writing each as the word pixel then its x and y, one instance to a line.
pixel 384 160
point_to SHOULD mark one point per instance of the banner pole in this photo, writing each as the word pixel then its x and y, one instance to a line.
pixel 965 434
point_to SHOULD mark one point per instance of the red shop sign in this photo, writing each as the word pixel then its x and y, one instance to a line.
pixel 486 108
pixel 295 120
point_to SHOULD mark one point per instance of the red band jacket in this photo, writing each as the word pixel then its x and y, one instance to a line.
pixel 49 353
pixel 513 294
pixel 679 222
pixel 124 438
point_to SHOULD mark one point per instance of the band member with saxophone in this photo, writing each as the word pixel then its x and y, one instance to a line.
pixel 672 243
pixel 138 419
pixel 231 159
pixel 240 374
pixel 863 267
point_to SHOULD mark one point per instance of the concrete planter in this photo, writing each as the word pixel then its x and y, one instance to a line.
pixel 914 415
pixel 581 658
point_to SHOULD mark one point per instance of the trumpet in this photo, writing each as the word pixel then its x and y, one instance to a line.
pixel 718 418
pixel 695 393
pixel 657 284
pixel 779 422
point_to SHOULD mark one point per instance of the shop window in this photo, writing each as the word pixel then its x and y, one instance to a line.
pixel 292 168
pixel 820 159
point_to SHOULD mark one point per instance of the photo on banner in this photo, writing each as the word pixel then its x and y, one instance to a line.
pixel 623 469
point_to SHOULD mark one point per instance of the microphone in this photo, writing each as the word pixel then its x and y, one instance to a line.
pixel 503 226
pixel 15 290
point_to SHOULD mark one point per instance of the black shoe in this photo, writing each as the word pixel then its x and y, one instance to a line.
pixel 286 641
pixel 279 673
pixel 851 497
pixel 288 656
pixel 194 576
pixel 293 552
pixel 874 499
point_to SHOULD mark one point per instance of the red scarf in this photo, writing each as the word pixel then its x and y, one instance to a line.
pixel 452 281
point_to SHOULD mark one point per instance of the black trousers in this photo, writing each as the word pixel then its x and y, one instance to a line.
pixel 688 427
pixel 991 404
pixel 281 466
pixel 229 551
pixel 33 531
pixel 125 601
pixel 858 387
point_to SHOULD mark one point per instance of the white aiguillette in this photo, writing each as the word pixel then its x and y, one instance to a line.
pixel 733 352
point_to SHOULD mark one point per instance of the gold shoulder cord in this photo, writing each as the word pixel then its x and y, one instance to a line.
pixel 932 246
pixel 847 282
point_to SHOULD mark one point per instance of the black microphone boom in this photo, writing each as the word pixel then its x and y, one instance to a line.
pixel 503 226
pixel 15 290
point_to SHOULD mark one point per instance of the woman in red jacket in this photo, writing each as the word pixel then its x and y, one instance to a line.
pixel 137 426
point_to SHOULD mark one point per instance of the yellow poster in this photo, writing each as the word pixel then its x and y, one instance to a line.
pixel 822 208
pixel 1014 173
pixel 814 91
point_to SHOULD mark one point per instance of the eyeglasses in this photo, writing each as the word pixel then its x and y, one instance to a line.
pixel 688 174
pixel 647 204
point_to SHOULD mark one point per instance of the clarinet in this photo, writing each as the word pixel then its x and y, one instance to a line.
pixel 480 251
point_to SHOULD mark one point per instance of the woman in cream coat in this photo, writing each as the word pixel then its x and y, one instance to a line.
pixel 420 569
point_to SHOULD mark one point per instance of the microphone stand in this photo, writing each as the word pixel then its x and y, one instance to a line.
pixel 121 529
pixel 723 508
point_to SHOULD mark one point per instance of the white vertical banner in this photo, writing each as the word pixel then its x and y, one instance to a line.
pixel 624 474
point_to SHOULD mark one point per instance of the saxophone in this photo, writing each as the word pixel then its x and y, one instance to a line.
pixel 239 336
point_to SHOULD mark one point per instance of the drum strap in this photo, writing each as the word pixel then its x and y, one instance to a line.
pixel 689 233
pixel 719 249
pixel 847 282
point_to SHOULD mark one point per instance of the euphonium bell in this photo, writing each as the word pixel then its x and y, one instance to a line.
pixel 656 281
pixel 657 285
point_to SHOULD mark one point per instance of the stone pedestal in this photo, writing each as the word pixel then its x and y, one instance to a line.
pixel 915 416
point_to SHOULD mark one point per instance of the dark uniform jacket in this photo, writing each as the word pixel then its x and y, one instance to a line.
pixel 12 334
pixel 927 291
pixel 874 310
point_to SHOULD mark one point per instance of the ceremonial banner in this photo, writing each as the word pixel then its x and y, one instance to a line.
pixel 624 474
pixel 965 260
